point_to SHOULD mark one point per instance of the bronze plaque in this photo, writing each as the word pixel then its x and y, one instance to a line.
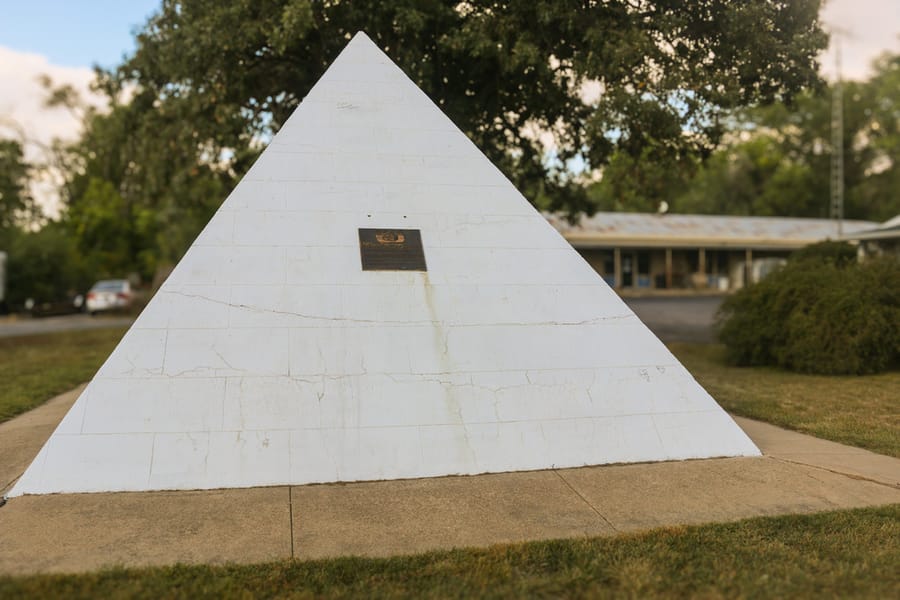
pixel 391 250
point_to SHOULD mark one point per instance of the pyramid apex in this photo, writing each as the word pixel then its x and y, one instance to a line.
pixel 361 45
pixel 361 36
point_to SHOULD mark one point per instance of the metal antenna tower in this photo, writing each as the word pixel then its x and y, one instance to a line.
pixel 837 141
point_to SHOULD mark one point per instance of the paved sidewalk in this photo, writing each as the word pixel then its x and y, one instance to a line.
pixel 804 449
pixel 78 532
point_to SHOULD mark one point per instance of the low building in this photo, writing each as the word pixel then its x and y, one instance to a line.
pixel 635 251
pixel 882 240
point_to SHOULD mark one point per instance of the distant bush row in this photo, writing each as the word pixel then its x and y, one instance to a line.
pixel 821 313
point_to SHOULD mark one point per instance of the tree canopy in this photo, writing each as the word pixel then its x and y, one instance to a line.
pixel 775 161
pixel 140 186
pixel 617 83
pixel 16 204
pixel 666 70
pixel 44 263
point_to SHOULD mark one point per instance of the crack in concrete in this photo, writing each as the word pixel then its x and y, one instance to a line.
pixel 662 444
pixel 152 453
pixel 84 408
pixel 259 309
pixel 165 352
pixel 445 382
pixel 224 360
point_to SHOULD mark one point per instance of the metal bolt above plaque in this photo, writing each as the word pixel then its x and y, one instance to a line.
pixel 391 250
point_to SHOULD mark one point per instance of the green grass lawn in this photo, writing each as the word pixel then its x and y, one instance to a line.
pixel 860 411
pixel 35 368
pixel 841 554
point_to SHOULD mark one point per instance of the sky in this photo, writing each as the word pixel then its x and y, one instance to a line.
pixel 66 38
pixel 73 33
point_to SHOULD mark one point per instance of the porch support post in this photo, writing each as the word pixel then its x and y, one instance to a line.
pixel 617 267
pixel 748 266
pixel 668 268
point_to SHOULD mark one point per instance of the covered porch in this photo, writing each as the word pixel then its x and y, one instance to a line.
pixel 650 252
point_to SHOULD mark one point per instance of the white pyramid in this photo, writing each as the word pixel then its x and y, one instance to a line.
pixel 270 356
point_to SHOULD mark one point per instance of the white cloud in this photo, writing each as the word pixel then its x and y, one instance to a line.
pixel 23 114
pixel 867 28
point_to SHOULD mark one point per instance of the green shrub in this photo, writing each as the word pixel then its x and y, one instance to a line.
pixel 44 265
pixel 818 314
pixel 838 253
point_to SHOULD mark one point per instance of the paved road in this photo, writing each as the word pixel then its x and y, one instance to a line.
pixel 678 319
pixel 12 326
pixel 673 319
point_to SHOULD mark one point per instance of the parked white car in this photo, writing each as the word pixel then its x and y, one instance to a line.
pixel 109 294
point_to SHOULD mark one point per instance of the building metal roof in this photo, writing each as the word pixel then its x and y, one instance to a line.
pixel 616 229
pixel 888 230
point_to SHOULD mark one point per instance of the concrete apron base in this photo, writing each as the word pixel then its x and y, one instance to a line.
pixel 81 532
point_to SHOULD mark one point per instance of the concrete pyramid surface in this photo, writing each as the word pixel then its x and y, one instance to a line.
pixel 270 356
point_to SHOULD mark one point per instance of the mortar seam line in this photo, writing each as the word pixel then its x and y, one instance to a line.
pixel 291 517
pixel 585 500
